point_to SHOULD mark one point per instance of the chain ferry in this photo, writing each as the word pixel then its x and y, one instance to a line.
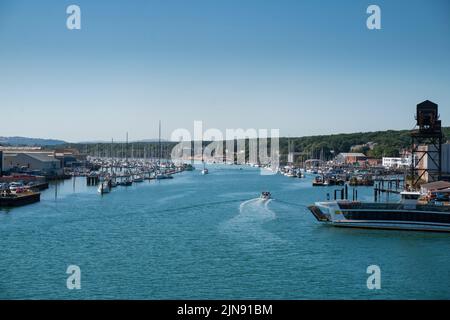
pixel 411 213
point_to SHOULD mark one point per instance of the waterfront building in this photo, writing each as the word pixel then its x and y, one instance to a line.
pixel 350 158
pixel 396 162
pixel 31 161
pixel 426 162
pixel 70 157
pixel 373 162
pixel 434 186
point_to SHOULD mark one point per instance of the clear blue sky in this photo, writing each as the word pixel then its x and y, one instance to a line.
pixel 305 67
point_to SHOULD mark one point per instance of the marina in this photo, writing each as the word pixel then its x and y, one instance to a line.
pixel 230 230
pixel 417 210
pixel 155 237
pixel 225 156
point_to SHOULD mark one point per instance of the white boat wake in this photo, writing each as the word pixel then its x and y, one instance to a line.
pixel 248 227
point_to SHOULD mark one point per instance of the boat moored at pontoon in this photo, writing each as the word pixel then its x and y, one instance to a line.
pixel 409 214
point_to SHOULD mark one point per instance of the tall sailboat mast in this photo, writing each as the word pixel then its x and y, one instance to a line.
pixel 203 160
pixel 159 142
pixel 126 149
pixel 204 171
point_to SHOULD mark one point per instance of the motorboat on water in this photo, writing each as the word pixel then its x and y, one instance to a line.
pixel 318 182
pixel 138 179
pixel 204 170
pixel 290 174
pixel 162 176
pixel 411 213
pixel 126 183
pixel 265 195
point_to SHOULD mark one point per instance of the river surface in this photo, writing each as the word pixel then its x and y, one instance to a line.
pixel 208 237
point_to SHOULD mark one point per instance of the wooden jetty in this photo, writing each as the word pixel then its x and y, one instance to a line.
pixel 92 180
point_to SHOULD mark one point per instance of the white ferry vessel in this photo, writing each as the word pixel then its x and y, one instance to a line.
pixel 408 214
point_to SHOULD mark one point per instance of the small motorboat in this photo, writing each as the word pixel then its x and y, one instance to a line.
pixel 205 171
pixel 265 195
pixel 290 174
pixel 162 176
pixel 318 182
pixel 126 183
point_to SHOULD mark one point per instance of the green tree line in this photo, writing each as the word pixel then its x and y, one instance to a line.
pixel 385 143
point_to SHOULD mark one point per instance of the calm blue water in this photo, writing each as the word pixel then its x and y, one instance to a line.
pixel 204 237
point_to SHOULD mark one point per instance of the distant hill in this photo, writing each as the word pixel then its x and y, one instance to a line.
pixel 131 141
pixel 23 141
pixel 383 143
pixel 375 144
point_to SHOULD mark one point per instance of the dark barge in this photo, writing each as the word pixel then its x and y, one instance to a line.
pixel 17 200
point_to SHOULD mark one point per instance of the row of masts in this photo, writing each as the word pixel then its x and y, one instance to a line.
pixel 145 150
pixel 318 154
pixel 140 152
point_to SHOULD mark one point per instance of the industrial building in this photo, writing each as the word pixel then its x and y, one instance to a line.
pixel 427 146
pixel 32 161
pixel 427 163
pixel 70 157
pixel 434 186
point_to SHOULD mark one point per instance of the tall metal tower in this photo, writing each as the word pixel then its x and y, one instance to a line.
pixel 426 144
